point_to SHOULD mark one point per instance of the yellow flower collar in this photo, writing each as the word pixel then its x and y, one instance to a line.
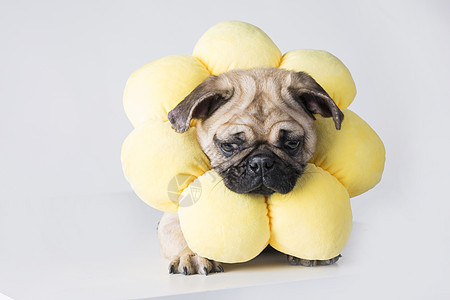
pixel 169 171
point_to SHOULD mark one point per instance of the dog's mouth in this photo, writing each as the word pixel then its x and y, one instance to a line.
pixel 265 186
pixel 262 190
pixel 281 181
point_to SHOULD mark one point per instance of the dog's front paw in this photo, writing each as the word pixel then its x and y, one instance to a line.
pixel 311 263
pixel 191 263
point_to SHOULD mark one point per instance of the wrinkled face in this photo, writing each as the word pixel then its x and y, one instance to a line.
pixel 256 126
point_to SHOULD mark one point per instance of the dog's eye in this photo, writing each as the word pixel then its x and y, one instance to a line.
pixel 228 148
pixel 292 145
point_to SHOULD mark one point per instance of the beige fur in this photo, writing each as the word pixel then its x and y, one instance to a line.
pixel 261 106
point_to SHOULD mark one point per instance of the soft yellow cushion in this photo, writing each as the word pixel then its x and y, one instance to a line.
pixel 156 88
pixel 314 220
pixel 354 155
pixel 230 45
pixel 327 70
pixel 223 225
pixel 170 172
pixel 310 222
pixel 154 157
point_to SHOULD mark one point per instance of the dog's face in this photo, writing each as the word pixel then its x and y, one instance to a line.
pixel 256 126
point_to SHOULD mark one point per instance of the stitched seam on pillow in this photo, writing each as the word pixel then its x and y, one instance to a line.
pixel 266 199
pixel 280 60
pixel 204 64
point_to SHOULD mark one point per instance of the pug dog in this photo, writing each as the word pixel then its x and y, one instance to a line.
pixel 257 129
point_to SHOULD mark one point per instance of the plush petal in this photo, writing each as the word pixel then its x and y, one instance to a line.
pixel 160 163
pixel 355 155
pixel 314 220
pixel 156 88
pixel 230 45
pixel 221 225
pixel 326 69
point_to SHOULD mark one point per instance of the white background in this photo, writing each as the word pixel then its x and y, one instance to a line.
pixel 70 227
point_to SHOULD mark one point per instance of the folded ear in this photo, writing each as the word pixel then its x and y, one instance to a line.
pixel 199 104
pixel 311 96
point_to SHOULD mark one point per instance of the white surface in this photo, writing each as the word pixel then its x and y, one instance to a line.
pixel 71 229
pixel 105 247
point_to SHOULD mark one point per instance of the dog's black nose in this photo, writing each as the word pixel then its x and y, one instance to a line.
pixel 260 164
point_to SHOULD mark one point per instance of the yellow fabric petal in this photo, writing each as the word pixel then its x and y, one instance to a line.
pixel 159 163
pixel 221 225
pixel 156 88
pixel 314 220
pixel 355 154
pixel 232 44
pixel 326 69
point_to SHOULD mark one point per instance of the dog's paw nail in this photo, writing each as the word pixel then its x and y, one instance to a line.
pixel 292 260
pixel 206 271
pixel 185 271
pixel 220 268
pixel 171 269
